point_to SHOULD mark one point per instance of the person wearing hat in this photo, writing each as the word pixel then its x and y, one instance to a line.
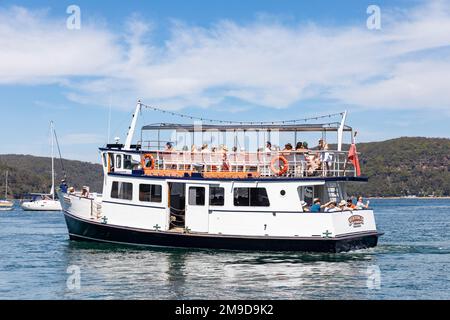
pixel 304 206
pixel 343 206
pixel 331 207
pixel 316 206
pixel 63 186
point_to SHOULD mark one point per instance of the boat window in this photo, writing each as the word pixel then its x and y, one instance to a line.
pixel 196 196
pixel 251 197
pixel 216 196
pixel 150 193
pixel 127 162
pixel 105 163
pixel 111 161
pixel 118 161
pixel 122 190
pixel 306 194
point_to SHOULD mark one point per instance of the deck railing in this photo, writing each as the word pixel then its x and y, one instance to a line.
pixel 266 164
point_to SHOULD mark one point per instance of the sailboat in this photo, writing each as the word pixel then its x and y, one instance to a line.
pixel 6 204
pixel 45 202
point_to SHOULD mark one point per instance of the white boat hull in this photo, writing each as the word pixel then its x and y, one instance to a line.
pixel 6 205
pixel 42 205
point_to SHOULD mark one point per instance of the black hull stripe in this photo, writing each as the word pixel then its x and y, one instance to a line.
pixel 80 229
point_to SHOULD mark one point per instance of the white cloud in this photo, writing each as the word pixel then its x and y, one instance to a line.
pixel 82 138
pixel 404 65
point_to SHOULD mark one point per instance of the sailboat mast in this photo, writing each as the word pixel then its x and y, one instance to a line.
pixel 53 165
pixel 6 186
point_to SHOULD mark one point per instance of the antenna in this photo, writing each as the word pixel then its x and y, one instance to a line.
pixel 6 187
pixel 109 121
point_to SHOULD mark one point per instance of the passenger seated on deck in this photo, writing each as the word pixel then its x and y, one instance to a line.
pixel 304 206
pixel 300 147
pixel 331 207
pixel 85 192
pixel 287 149
pixel 169 147
pixel 316 205
pixel 350 203
pixel 343 206
pixel 204 148
pixel 194 148
pixel 312 164
pixel 360 204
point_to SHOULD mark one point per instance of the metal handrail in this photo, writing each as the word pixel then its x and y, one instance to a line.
pixel 330 163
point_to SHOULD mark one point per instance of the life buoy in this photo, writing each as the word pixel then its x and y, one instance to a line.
pixel 282 169
pixel 151 162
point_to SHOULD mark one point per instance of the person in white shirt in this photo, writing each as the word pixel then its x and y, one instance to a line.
pixel 268 147
pixel 360 204
pixel 331 207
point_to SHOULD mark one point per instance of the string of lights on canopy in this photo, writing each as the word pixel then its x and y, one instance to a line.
pixel 181 115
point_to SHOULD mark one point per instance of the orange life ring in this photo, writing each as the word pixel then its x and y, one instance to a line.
pixel 283 169
pixel 151 161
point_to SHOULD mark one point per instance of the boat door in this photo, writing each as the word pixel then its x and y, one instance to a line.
pixel 197 207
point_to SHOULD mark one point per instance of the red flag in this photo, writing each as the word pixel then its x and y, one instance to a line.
pixel 353 158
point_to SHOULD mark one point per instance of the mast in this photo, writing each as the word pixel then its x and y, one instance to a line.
pixel 6 187
pixel 132 126
pixel 52 191
pixel 341 131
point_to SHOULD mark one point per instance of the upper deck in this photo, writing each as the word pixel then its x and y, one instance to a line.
pixel 167 158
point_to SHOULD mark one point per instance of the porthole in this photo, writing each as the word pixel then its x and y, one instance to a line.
pixel 282 192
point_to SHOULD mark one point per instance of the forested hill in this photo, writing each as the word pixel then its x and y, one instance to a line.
pixel 397 167
pixel 405 166
pixel 33 174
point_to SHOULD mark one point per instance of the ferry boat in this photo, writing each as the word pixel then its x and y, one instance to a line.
pixel 233 200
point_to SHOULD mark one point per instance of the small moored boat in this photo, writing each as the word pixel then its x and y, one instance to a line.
pixel 45 202
pixel 5 204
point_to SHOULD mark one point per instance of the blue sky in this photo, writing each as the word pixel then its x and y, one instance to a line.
pixel 238 60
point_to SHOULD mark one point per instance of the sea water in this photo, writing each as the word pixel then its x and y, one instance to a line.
pixel 412 261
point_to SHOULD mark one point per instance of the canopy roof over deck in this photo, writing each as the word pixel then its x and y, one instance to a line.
pixel 320 127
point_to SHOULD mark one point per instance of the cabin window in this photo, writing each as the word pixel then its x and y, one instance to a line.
pixel 118 161
pixel 196 196
pixel 251 197
pixel 127 162
pixel 122 190
pixel 150 193
pixel 105 162
pixel 111 161
pixel 216 196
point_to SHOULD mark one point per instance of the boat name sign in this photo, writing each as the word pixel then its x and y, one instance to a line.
pixel 356 220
